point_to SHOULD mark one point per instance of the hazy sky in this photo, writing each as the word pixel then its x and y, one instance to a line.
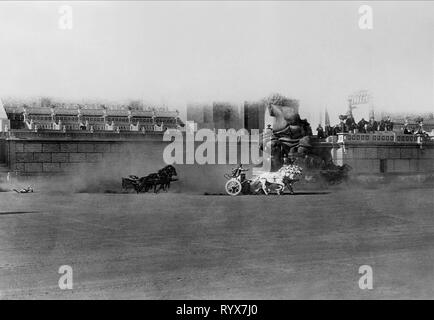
pixel 174 52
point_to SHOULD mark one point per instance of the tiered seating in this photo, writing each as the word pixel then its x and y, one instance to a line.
pixel 72 119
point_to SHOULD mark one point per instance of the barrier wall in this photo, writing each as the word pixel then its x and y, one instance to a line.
pixel 42 153
pixel 387 153
pixel 28 153
pixel 92 159
pixel 57 156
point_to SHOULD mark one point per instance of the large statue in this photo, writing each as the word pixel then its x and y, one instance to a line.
pixel 290 136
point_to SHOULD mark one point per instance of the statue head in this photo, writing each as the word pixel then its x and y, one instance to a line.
pixel 283 108
pixel 289 113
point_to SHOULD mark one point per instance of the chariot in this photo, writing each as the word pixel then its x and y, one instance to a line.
pixel 321 176
pixel 237 183
pixel 285 177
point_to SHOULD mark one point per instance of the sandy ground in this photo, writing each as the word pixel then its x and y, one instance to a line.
pixel 187 246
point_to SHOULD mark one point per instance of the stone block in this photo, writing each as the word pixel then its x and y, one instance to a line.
pixel 77 157
pixel 32 147
pixel 401 165
pixel 93 157
pixel 24 157
pixel 116 147
pixel 382 152
pixel 33 167
pixel 42 157
pixel 371 153
pixel 102 147
pixel 51 167
pixel 68 147
pixel 366 166
pixel 390 165
pixel 414 165
pixel 85 147
pixel 394 152
pixel 59 157
pixel 51 147
pixel 426 153
pixel 19 147
pixel 426 165
pixel 408 153
pixel 70 167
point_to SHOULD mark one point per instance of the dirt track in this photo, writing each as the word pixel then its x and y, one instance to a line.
pixel 178 246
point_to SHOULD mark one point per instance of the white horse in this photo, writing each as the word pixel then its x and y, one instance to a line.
pixel 284 175
pixel 294 172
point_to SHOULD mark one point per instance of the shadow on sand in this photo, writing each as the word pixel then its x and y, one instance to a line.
pixel 16 212
pixel 272 194
pixel 307 193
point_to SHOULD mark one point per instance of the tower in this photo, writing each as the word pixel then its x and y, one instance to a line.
pixel 4 121
pixel 371 108
pixel 326 118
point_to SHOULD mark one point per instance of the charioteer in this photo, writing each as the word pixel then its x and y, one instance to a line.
pixel 239 172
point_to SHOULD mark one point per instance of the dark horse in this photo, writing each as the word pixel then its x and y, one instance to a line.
pixel 162 179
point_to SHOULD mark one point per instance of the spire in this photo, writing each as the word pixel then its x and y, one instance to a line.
pixel 326 118
pixel 371 107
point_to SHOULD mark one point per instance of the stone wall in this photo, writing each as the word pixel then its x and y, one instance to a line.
pixel 48 157
pixel 86 162
pixel 41 155
pixel 411 158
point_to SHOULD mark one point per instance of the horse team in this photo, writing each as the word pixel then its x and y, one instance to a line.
pixel 154 181
pixel 284 177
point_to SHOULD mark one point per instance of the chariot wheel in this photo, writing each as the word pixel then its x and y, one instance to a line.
pixel 233 187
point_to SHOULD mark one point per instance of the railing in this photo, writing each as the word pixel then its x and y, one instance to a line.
pixel 383 137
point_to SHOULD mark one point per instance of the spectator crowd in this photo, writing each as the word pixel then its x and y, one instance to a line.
pixel 348 124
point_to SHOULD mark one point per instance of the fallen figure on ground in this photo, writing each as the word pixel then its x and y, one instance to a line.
pixel 24 190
